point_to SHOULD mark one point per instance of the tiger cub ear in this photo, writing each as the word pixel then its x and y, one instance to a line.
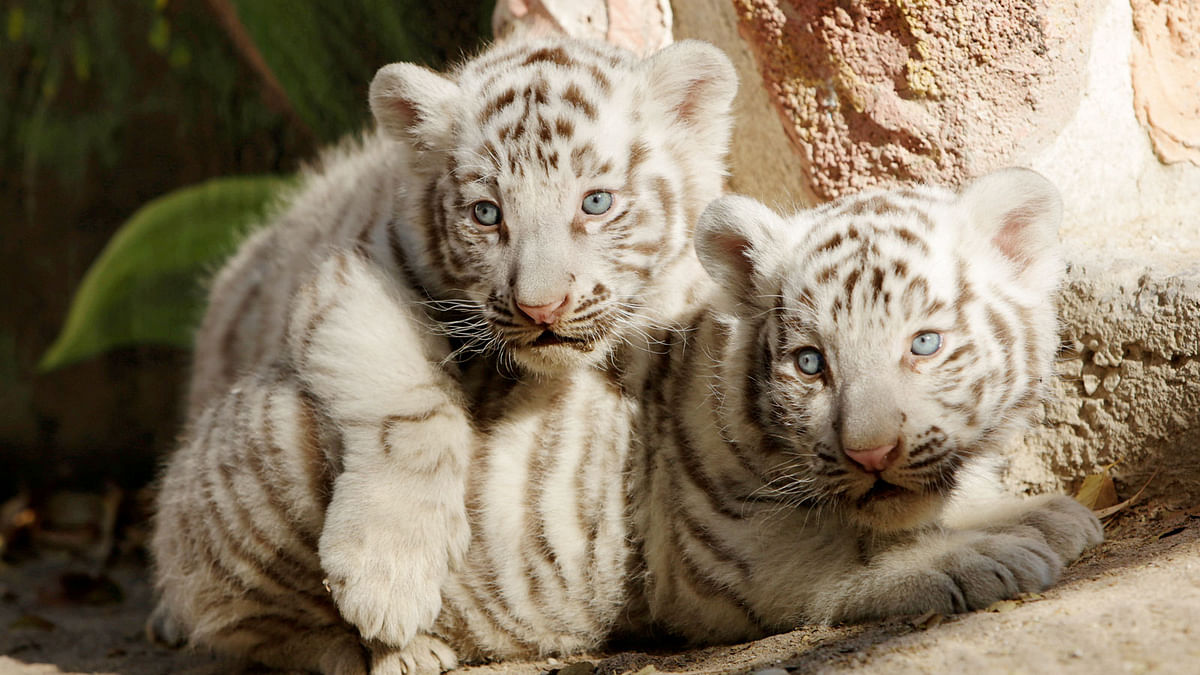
pixel 412 104
pixel 1018 212
pixel 737 243
pixel 695 82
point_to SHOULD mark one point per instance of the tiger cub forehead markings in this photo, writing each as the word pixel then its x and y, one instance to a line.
pixel 554 55
pixel 876 205
pixel 496 105
pixel 586 162
pixel 574 96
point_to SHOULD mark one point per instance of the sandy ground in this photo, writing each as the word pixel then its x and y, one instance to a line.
pixel 1131 605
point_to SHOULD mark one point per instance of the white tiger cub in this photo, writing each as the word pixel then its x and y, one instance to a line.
pixel 784 458
pixel 535 205
pixel 870 353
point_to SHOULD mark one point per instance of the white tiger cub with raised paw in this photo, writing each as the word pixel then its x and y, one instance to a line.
pixel 785 456
pixel 535 205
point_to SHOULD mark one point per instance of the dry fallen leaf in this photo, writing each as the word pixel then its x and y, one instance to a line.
pixel 1172 532
pixel 32 622
pixel 15 515
pixel 1106 512
pixel 1097 491
pixel 578 668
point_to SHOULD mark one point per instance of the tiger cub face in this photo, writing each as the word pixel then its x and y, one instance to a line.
pixel 892 336
pixel 560 181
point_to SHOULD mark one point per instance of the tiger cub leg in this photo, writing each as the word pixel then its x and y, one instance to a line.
pixel 396 522
pixel 329 651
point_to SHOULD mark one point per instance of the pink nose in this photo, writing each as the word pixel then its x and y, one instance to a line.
pixel 545 314
pixel 875 459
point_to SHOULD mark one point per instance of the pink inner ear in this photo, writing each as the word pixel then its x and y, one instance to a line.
pixel 1013 238
pixel 689 106
pixel 404 109
pixel 736 250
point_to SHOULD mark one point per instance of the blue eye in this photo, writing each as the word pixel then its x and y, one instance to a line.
pixel 597 202
pixel 926 344
pixel 487 213
pixel 810 361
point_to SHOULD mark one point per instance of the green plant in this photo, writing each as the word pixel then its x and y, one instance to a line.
pixel 314 61
pixel 144 286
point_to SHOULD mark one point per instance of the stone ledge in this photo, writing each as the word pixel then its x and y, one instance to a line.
pixel 1129 385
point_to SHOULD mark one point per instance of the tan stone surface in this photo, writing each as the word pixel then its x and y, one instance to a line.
pixel 878 92
pixel 1166 76
pixel 1118 197
pixel 762 162
pixel 1131 305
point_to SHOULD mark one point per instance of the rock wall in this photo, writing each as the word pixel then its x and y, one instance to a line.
pixel 1166 76
pixel 1130 391
pixel 883 93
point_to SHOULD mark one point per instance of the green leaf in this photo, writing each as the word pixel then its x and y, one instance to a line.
pixel 145 285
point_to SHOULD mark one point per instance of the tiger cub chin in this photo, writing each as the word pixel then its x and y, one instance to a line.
pixel 786 455
pixel 531 209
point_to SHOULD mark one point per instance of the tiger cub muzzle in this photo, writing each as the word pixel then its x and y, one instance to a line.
pixel 902 480
pixel 569 329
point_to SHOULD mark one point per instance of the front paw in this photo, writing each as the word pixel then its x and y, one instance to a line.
pixel 388 592
pixel 992 567
pixel 425 655
pixel 945 573
pixel 1067 526
pixel 964 572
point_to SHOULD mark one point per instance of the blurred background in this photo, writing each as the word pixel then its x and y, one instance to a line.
pixel 110 104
